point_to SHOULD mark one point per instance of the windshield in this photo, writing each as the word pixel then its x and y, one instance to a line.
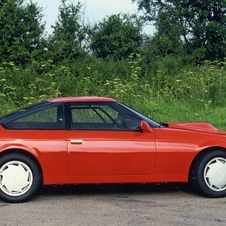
pixel 151 122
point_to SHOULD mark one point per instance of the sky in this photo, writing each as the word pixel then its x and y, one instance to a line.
pixel 95 10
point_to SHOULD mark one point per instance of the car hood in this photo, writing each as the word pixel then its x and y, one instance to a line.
pixel 196 126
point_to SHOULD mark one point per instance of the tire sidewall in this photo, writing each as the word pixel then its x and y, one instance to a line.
pixel 36 178
pixel 200 175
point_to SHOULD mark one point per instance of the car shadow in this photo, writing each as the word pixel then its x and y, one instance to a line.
pixel 114 189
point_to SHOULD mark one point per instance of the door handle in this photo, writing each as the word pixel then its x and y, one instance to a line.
pixel 76 141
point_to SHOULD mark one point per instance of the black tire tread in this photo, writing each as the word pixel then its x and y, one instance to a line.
pixel 196 179
pixel 36 177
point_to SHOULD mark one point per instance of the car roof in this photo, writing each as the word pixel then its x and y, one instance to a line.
pixel 82 99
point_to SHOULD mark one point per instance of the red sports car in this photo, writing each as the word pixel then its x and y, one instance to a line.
pixel 93 140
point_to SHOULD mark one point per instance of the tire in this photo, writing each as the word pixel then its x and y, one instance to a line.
pixel 20 178
pixel 208 174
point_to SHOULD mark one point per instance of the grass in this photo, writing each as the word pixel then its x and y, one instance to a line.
pixel 188 93
pixel 176 111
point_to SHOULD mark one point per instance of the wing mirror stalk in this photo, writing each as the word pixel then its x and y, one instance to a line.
pixel 144 126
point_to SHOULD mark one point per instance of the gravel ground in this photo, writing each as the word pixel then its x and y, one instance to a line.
pixel 115 205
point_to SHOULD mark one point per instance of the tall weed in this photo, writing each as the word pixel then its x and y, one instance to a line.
pixel 170 92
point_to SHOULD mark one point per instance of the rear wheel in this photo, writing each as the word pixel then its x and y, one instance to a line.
pixel 208 174
pixel 20 178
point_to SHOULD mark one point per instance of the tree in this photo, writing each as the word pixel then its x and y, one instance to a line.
pixel 117 36
pixel 166 40
pixel 202 23
pixel 21 31
pixel 69 33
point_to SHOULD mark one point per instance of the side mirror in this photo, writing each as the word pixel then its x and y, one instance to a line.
pixel 144 126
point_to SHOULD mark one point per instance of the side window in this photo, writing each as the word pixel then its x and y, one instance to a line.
pixel 85 115
pixel 101 117
pixel 91 117
pixel 47 119
pixel 47 115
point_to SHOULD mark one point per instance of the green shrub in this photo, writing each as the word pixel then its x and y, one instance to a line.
pixel 167 93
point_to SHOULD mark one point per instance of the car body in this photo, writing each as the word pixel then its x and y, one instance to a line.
pixel 94 140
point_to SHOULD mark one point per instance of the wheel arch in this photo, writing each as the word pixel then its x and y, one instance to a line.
pixel 23 152
pixel 203 152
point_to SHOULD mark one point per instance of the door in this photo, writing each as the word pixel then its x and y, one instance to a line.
pixel 101 149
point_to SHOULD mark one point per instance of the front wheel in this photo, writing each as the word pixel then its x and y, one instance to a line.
pixel 208 174
pixel 20 178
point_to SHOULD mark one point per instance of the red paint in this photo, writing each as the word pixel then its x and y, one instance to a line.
pixel 86 156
